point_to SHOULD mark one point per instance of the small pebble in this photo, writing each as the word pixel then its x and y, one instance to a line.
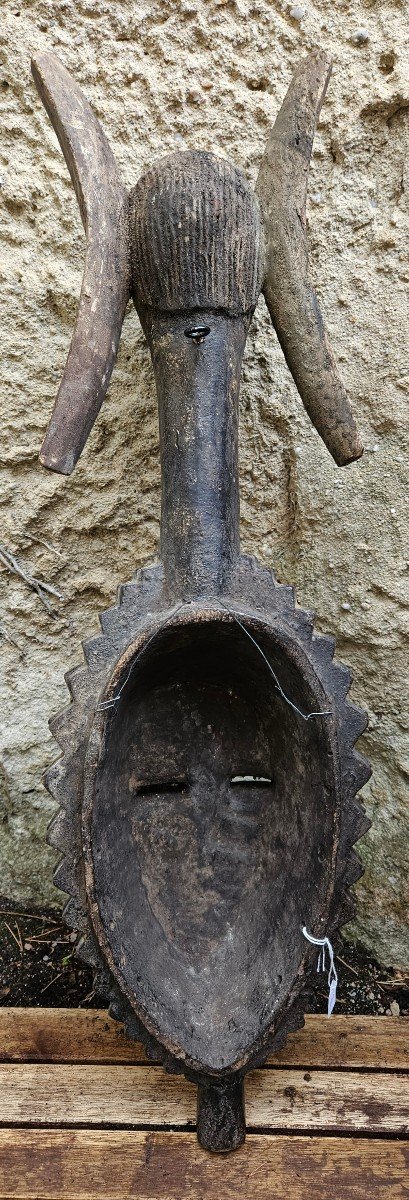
pixel 45 958
pixel 28 946
pixel 346 606
pixel 360 38
pixel 395 1008
pixel 297 13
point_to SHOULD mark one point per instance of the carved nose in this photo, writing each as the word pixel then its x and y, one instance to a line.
pixel 198 334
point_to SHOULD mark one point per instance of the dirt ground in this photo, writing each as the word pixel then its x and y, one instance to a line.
pixel 38 968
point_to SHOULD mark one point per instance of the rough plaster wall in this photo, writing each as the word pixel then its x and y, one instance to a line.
pixel 164 76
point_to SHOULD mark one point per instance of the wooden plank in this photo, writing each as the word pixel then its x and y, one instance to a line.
pixel 84 1165
pixel 132 1096
pixel 328 1100
pixel 77 1035
pixel 372 1043
pixel 64 1035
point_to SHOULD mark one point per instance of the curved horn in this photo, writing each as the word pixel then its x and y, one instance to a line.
pixel 105 288
pixel 282 191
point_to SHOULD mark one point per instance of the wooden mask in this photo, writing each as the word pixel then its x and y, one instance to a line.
pixel 208 782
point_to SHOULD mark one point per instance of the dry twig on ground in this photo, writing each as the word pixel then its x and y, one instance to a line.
pixel 38 585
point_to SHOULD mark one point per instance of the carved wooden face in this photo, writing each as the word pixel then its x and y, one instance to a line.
pixel 211 822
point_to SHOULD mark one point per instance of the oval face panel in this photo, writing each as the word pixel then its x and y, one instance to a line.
pixel 210 825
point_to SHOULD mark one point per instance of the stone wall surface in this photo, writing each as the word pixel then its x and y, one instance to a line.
pixel 210 73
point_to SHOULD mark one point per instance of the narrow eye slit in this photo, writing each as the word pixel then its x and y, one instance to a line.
pixel 250 781
pixel 198 334
pixel 160 787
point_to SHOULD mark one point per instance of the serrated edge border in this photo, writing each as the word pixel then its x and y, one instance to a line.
pixel 139 603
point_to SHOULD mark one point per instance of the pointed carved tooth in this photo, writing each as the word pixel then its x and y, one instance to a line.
pixel 66 786
pixel 88 951
pixel 128 594
pixel 59 832
pixel 65 876
pixel 346 910
pixel 355 823
pixel 171 1065
pixel 305 623
pixel 355 721
pixel 286 594
pixel 98 653
pixel 353 870
pixel 324 645
pixel 341 679
pixel 306 614
pixel 116 1010
pixel 75 917
pixel 54 778
pixel 152 1047
pixel 146 578
pixel 251 574
pixel 77 682
pixel 343 911
pixel 64 728
pixel 133 1028
pixel 249 566
pixel 108 620
pixel 362 769
pixel 71 729
pixel 362 824
pixel 115 623
pixel 141 591
pixel 102 981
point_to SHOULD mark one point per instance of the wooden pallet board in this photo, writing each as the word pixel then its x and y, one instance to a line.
pixel 61 1095
pixel 77 1035
pixel 84 1116
pixel 87 1165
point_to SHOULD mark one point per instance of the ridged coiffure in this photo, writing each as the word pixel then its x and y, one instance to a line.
pixel 196 236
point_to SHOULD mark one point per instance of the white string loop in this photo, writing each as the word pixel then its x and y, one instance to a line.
pixel 321 966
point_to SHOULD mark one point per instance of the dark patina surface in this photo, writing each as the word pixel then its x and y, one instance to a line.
pixel 208 780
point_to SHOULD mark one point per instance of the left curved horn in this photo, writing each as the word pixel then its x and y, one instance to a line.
pixel 105 290
pixel 282 192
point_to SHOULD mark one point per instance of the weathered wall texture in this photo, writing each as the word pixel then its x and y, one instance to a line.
pixel 210 73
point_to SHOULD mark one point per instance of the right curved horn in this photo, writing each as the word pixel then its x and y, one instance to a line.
pixel 282 192
pixel 105 291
